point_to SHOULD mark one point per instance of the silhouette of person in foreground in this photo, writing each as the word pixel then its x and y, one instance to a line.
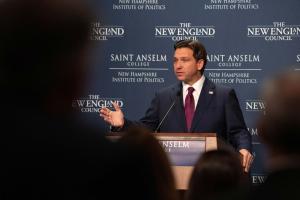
pixel 45 152
pixel 279 130
pixel 218 174
pixel 148 169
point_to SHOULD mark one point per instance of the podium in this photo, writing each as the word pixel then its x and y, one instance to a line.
pixel 183 150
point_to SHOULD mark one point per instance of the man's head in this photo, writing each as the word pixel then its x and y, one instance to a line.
pixel 42 51
pixel 190 58
pixel 279 128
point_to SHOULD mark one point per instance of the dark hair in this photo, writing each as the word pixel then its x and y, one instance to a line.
pixel 149 170
pixel 279 127
pixel 217 175
pixel 199 51
pixel 36 38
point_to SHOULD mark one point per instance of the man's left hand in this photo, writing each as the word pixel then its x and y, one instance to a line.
pixel 247 159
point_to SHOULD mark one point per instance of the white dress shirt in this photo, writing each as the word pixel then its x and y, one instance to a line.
pixel 197 90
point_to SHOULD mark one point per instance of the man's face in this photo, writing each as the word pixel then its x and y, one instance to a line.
pixel 186 67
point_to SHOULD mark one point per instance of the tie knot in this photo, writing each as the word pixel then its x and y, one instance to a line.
pixel 191 90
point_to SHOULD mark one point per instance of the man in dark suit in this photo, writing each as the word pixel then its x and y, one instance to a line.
pixel 194 105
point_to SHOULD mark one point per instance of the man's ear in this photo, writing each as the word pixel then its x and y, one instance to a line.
pixel 200 64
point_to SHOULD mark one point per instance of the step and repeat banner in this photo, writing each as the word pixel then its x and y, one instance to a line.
pixel 247 41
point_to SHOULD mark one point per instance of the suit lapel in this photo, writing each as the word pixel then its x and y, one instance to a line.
pixel 207 93
pixel 179 108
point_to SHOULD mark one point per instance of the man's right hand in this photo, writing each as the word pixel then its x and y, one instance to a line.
pixel 114 118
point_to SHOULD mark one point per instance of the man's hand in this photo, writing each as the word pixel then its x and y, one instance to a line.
pixel 247 159
pixel 114 118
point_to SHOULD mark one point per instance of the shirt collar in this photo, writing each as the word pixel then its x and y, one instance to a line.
pixel 197 85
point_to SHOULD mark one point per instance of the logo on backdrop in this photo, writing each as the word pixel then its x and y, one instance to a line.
pixel 255 135
pixel 232 60
pixel 253 131
pixel 138 68
pixel 298 58
pixel 137 60
pixel 145 5
pixel 233 68
pixel 255 105
pixel 184 31
pixel 258 179
pixel 237 5
pixel 100 32
pixel 277 31
pixel 94 102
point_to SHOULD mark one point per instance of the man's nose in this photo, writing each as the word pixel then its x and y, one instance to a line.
pixel 178 65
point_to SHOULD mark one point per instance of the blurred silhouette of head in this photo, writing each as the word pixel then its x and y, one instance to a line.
pixel 216 175
pixel 42 51
pixel 150 173
pixel 43 45
pixel 279 127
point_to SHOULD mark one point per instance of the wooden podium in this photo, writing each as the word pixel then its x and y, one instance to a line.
pixel 198 143
pixel 183 150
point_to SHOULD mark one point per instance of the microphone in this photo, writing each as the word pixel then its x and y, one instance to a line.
pixel 172 105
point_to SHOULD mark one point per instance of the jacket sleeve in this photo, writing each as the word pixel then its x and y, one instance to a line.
pixel 237 131
pixel 150 120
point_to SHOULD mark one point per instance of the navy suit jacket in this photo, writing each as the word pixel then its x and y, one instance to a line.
pixel 218 111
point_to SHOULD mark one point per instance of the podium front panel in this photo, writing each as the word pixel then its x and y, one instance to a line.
pixel 183 151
